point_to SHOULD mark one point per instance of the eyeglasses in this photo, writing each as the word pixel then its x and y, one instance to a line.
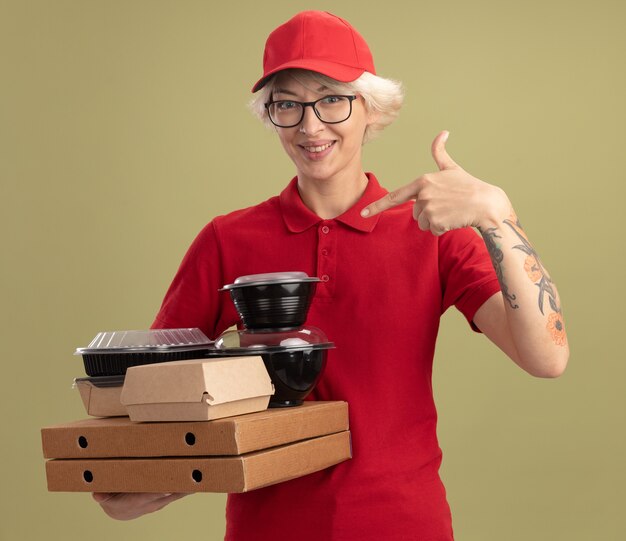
pixel 329 109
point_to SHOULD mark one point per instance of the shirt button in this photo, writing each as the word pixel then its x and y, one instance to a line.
pixel 325 278
pixel 325 229
pixel 324 251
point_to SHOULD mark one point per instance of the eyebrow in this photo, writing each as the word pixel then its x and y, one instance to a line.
pixel 290 93
pixel 283 91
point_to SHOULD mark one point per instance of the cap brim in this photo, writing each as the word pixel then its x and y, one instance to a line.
pixel 339 72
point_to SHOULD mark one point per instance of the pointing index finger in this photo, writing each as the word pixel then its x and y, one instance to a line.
pixel 392 199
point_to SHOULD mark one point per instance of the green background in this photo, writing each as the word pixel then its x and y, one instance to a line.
pixel 124 129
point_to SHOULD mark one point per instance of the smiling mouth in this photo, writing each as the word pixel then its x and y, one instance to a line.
pixel 317 149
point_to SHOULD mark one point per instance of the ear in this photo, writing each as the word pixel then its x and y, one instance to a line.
pixel 372 116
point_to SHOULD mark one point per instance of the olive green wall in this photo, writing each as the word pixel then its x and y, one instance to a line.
pixel 123 130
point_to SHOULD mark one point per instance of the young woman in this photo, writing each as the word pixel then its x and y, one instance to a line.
pixel 391 263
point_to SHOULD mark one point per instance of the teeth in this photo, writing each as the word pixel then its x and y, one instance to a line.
pixel 317 149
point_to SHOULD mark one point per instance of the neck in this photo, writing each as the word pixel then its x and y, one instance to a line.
pixel 330 198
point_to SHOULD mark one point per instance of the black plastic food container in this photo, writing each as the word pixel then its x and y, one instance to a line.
pixel 278 300
pixel 295 360
pixel 112 353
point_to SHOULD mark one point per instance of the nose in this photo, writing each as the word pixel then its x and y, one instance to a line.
pixel 310 124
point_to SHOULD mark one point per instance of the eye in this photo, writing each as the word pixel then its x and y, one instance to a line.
pixel 330 100
pixel 285 105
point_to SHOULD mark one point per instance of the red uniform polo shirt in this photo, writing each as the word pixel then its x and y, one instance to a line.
pixel 385 284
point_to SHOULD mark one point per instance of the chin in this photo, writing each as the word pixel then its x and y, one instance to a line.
pixel 320 175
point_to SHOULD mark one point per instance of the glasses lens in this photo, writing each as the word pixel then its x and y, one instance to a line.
pixel 333 108
pixel 285 113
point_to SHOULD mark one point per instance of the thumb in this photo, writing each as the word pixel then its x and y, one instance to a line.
pixel 440 155
pixel 102 497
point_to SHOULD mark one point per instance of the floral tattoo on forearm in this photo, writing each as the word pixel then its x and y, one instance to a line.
pixel 540 277
pixel 535 271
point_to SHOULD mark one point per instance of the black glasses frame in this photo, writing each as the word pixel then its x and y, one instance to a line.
pixel 312 104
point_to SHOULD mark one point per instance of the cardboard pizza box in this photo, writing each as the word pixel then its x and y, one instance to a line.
pixel 120 437
pixel 239 473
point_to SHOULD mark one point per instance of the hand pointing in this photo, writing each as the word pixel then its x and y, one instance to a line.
pixel 448 199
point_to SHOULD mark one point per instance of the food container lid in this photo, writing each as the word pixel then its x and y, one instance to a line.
pixel 150 341
pixel 270 278
pixel 248 342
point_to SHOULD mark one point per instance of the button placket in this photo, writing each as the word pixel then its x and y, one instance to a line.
pixel 326 258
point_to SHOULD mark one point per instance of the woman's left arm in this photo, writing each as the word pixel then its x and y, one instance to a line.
pixel 525 319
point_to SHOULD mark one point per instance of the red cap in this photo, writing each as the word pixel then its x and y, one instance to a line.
pixel 317 41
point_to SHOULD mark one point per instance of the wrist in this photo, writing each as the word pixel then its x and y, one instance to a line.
pixel 497 208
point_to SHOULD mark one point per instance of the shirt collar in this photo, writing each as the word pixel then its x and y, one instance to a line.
pixel 298 217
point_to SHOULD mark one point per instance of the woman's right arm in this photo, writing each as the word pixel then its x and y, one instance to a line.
pixel 192 300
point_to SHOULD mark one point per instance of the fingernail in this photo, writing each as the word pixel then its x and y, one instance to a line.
pixel 445 137
pixel 365 212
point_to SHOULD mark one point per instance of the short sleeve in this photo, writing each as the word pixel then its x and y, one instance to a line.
pixel 193 299
pixel 466 272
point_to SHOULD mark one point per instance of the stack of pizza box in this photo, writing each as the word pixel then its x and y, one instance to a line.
pixel 182 427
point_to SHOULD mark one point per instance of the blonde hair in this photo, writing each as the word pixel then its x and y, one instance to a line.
pixel 382 96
